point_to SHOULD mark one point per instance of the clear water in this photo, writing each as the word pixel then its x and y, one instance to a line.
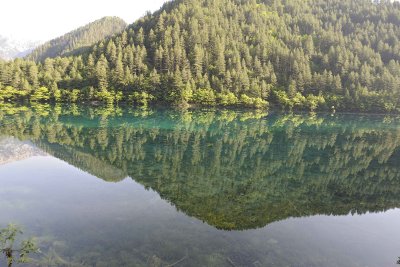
pixel 131 187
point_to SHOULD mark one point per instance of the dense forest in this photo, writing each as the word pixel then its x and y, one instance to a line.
pixel 78 40
pixel 295 54
pixel 233 170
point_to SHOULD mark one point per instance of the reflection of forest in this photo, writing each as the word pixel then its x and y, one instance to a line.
pixel 234 170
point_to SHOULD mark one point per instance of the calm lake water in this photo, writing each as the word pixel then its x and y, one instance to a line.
pixel 131 187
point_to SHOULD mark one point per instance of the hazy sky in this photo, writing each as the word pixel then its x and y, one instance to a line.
pixel 47 19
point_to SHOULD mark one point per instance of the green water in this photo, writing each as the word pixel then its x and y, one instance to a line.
pixel 130 187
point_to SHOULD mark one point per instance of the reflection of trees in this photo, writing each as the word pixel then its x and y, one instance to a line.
pixel 234 170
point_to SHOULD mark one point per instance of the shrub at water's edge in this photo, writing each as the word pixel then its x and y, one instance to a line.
pixel 15 253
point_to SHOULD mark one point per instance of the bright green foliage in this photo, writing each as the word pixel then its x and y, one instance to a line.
pixel 227 99
pixel 119 96
pixel 10 93
pixel 8 238
pixel 300 102
pixel 255 102
pixel 56 93
pixel 42 94
pixel 105 96
pixel 283 99
pixel 314 101
pixel 72 96
pixel 187 94
pixel 141 98
pixel 204 97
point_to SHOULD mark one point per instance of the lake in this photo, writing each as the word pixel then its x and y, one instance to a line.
pixel 162 187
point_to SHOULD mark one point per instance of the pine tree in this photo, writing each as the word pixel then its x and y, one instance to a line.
pixel 101 73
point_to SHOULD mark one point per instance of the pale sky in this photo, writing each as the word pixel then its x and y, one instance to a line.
pixel 42 20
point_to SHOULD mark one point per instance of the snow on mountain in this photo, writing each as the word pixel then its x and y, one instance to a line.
pixel 11 48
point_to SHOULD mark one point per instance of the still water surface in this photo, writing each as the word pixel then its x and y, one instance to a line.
pixel 128 187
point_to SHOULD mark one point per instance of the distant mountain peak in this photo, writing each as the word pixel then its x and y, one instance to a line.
pixel 79 39
pixel 11 48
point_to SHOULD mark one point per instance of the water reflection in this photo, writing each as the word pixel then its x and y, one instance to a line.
pixel 234 170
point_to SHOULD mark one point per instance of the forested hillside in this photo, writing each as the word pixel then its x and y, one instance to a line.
pixel 298 54
pixel 78 40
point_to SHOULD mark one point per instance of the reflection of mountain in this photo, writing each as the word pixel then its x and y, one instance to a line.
pixel 231 172
pixel 12 150
pixel 84 161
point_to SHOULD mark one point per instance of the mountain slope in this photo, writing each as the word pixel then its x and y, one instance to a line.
pixel 314 54
pixel 78 39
